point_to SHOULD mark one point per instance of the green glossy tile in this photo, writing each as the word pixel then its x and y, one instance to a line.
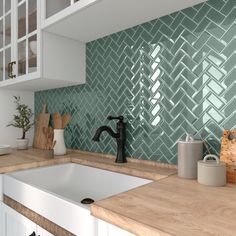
pixel 230 93
pixel 228 6
pixel 217 59
pixel 229 20
pixel 231 32
pixel 166 30
pixel 215 101
pixel 189 24
pixel 201 40
pixel 230 108
pixel 190 12
pixel 167 19
pixel 175 23
pixel 229 49
pixel 215 87
pixel 215 16
pixel 229 123
pixel 167 77
pixel 218 5
pixel 230 63
pixel 215 115
pixel 178 31
pixel 215 30
pixel 201 13
pixel 215 44
pixel 217 74
pixel 202 25
pixel 230 78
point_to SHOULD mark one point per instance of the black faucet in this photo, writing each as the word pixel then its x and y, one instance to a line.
pixel 119 136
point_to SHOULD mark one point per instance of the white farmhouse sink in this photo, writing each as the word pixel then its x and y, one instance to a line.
pixel 55 192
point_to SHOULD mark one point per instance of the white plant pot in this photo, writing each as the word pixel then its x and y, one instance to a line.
pixel 22 144
pixel 60 147
pixel 33 47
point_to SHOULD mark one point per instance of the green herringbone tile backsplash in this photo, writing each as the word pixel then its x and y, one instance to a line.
pixel 167 77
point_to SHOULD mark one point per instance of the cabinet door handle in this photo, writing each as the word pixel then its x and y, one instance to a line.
pixel 33 234
pixel 12 63
pixel 9 70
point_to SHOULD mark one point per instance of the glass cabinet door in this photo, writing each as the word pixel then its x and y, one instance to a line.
pixel 5 39
pixel 27 33
pixel 53 7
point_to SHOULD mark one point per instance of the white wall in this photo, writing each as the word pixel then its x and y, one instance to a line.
pixel 8 135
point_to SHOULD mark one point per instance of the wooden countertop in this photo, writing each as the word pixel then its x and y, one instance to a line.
pixel 32 158
pixel 172 206
pixel 26 159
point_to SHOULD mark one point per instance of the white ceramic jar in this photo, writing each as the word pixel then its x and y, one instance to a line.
pixel 60 147
pixel 212 172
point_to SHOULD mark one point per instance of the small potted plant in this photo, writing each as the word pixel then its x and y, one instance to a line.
pixel 22 120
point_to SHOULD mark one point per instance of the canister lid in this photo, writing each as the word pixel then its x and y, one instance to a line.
pixel 211 163
pixel 192 142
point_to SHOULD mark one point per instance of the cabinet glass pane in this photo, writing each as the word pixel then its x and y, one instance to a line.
pixel 7 61
pixel 7 29
pixel 32 53
pixel 32 15
pixel 1 8
pixel 21 58
pixel 7 5
pixel 22 20
pixel 52 7
pixel 1 33
pixel 1 66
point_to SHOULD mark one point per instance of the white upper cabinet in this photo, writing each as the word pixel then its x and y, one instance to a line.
pixel 6 40
pixel 93 19
pixel 26 38
pixel 32 59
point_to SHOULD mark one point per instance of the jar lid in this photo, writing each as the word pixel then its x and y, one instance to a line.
pixel 211 163
pixel 192 142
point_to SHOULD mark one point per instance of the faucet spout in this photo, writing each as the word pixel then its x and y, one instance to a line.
pixel 100 130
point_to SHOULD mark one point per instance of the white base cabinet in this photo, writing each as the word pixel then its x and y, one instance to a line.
pixel 106 229
pixel 12 223
pixel 42 232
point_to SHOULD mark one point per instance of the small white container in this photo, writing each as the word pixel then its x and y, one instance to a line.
pixel 22 144
pixel 212 172
pixel 60 147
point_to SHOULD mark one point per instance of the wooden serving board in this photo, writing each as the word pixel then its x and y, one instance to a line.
pixel 42 120
pixel 228 154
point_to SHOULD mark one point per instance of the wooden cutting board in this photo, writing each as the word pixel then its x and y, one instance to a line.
pixel 42 120
pixel 228 154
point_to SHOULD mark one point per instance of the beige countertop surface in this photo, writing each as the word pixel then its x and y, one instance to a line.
pixel 172 206
pixel 168 206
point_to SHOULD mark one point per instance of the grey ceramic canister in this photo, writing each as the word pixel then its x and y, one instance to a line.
pixel 189 152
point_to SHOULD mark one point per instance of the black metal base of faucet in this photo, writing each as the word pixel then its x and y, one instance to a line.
pixel 120 161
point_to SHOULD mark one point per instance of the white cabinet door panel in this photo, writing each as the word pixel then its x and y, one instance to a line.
pixel 16 224
pixel 43 232
pixel 106 229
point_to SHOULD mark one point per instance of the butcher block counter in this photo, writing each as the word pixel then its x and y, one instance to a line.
pixel 172 206
pixel 167 206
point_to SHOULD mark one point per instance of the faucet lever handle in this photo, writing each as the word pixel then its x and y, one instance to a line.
pixel 120 118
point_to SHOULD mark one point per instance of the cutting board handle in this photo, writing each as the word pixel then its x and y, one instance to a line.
pixel 44 107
